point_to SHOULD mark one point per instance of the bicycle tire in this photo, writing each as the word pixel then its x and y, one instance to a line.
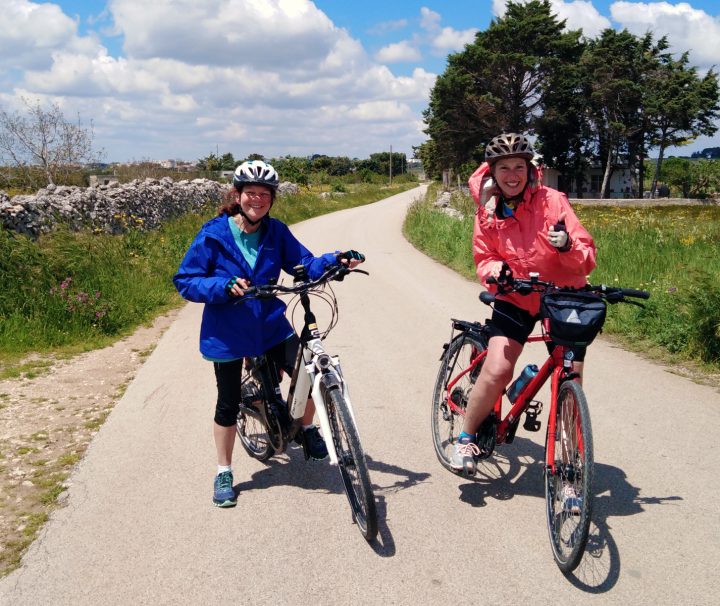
pixel 447 425
pixel 253 434
pixel 352 464
pixel 569 521
pixel 257 426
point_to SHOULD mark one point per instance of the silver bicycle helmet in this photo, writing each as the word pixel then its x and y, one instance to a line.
pixel 255 172
pixel 508 145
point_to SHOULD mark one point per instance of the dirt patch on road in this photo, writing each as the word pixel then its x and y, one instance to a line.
pixel 46 425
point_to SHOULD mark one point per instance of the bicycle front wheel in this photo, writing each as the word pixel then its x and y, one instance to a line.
pixel 352 464
pixel 568 490
pixel 452 384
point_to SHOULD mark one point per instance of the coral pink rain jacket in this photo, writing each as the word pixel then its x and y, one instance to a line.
pixel 521 240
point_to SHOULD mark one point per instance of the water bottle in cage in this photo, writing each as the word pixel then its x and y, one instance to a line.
pixel 523 379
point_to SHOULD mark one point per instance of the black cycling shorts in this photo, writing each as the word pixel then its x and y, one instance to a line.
pixel 228 376
pixel 510 321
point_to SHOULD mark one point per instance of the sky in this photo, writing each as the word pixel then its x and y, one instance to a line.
pixel 181 79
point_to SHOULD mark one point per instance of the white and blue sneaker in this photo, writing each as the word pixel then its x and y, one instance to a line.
pixel 463 456
pixel 223 494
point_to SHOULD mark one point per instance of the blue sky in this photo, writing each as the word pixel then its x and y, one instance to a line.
pixel 182 78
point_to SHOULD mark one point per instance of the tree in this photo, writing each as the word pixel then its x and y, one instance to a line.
pixel 680 106
pixel 210 163
pixel 293 168
pixel 704 178
pixel 677 173
pixel 227 162
pixel 563 129
pixel 614 95
pixel 427 154
pixel 498 82
pixel 708 153
pixel 41 137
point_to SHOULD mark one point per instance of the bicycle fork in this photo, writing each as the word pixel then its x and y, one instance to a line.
pixel 318 373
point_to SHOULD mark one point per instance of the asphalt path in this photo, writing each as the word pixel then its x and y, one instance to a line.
pixel 139 528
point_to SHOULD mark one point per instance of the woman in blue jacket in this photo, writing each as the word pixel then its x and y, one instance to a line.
pixel 243 245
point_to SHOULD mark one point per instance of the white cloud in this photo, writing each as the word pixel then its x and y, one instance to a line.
pixel 383 111
pixel 688 29
pixel 271 77
pixel 444 39
pixel 450 40
pixel 289 35
pixel 388 26
pixel 429 20
pixel 398 52
pixel 31 32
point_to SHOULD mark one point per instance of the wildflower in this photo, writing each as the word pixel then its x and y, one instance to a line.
pixel 672 289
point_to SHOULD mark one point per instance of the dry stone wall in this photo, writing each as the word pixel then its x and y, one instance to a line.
pixel 112 208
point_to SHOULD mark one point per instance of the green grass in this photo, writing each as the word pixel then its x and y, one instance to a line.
pixel 669 251
pixel 70 292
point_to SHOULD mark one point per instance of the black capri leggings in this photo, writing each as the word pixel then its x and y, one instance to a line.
pixel 514 323
pixel 228 377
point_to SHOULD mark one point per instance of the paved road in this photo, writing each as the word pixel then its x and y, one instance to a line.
pixel 139 528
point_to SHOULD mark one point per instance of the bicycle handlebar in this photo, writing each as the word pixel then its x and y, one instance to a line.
pixel 268 291
pixel 525 286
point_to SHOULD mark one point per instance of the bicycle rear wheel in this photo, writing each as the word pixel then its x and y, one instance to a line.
pixel 253 434
pixel 258 437
pixel 352 464
pixel 568 490
pixel 446 423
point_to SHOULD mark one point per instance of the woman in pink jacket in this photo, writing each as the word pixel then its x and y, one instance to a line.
pixel 531 228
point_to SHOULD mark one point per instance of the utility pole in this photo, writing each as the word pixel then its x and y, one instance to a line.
pixel 391 165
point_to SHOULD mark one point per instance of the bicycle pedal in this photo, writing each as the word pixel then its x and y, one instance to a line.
pixel 531 424
pixel 531 414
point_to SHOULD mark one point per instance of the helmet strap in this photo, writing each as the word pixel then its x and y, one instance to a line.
pixel 248 219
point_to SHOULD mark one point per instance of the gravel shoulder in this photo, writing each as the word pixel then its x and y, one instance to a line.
pixel 47 423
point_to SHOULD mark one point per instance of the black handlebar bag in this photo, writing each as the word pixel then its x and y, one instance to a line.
pixel 575 317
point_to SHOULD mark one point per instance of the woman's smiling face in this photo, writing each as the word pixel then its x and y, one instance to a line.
pixel 255 201
pixel 511 176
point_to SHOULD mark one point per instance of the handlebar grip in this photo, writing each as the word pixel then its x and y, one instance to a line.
pixel 491 280
pixel 639 294
pixel 487 297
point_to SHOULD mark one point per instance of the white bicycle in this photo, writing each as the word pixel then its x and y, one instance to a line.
pixel 266 424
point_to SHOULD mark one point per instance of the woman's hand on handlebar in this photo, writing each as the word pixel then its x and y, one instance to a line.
pixel 236 287
pixel 501 276
pixel 350 258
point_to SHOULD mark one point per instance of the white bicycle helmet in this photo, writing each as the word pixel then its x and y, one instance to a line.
pixel 255 172
pixel 508 145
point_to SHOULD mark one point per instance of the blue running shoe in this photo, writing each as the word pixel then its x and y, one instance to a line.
pixel 224 495
pixel 314 443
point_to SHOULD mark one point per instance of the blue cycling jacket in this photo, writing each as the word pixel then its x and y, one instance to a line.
pixel 232 328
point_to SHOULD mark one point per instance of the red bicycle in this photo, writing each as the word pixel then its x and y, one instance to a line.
pixel 569 318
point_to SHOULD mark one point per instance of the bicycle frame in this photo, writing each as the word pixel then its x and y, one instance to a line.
pixel 314 373
pixel 556 367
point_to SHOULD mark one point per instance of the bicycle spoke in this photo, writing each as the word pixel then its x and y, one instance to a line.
pixel 568 488
pixel 452 389
pixel 351 463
